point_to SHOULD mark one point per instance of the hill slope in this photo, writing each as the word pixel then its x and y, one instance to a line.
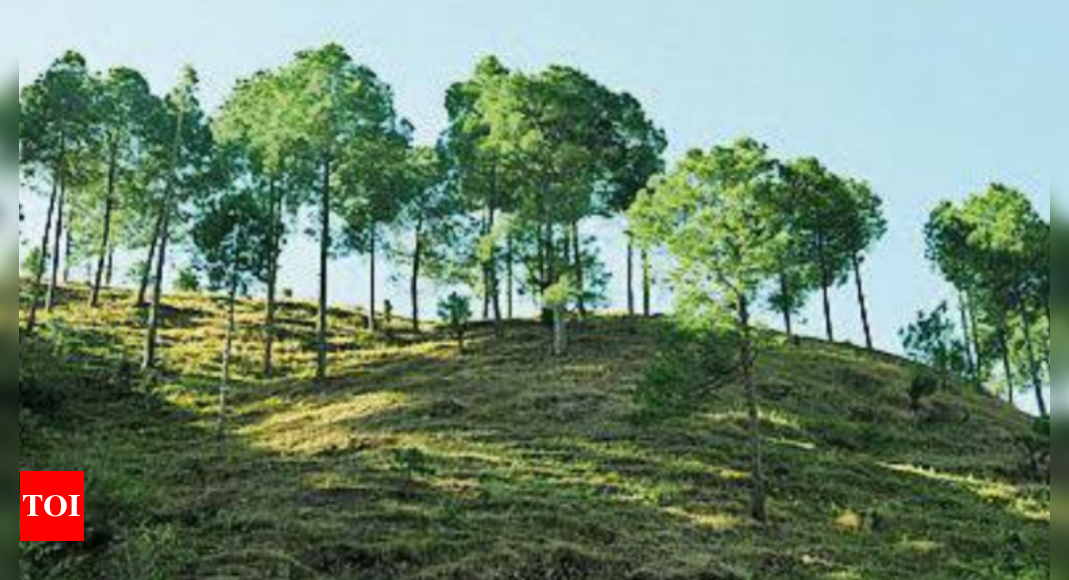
pixel 419 463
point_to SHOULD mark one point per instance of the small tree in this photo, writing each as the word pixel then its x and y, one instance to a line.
pixel 455 312
pixel 188 281
pixel 932 340
pixel 557 299
pixel 719 216
pixel 229 234
pixel 33 262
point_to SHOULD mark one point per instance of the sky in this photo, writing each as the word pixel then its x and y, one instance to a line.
pixel 926 99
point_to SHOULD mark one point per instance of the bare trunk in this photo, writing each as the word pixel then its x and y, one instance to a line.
pixel 560 331
pixel 967 333
pixel 151 345
pixel 109 279
pixel 543 260
pixel 146 274
pixel 862 302
pixel 977 346
pixel 511 282
pixel 272 281
pixel 1033 362
pixel 580 283
pixel 1007 367
pixel 417 258
pixel 372 326
pixel 39 273
pixel 647 285
pixel 759 509
pixel 53 284
pixel 161 259
pixel 324 264
pixel 825 283
pixel 105 241
pixel 630 277
pixel 486 272
pixel 68 246
pixel 495 284
pixel 788 319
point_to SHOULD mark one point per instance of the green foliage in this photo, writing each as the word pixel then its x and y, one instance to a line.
pixel 56 118
pixel 693 361
pixel 187 281
pixel 718 215
pixel 995 249
pixel 823 219
pixel 560 295
pixel 933 340
pixel 455 312
pixel 490 442
pixel 549 150
pixel 229 234
pixel 33 262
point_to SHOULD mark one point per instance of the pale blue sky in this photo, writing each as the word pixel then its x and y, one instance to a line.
pixel 927 99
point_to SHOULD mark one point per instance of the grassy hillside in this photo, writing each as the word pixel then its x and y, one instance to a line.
pixel 419 463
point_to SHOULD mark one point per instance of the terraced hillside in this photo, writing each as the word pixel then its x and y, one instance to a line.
pixel 417 462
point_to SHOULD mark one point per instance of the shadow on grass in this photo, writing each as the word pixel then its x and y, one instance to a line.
pixel 503 463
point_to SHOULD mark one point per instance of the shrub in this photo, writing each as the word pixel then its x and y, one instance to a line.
pixel 924 386
pixel 188 282
pixel 455 313
pixel 692 362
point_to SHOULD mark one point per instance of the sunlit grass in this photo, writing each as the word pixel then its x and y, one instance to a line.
pixel 417 461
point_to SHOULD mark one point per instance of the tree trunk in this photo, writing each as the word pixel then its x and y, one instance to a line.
pixel 50 300
pixel 759 509
pixel 495 284
pixel 231 326
pixel 39 274
pixel 146 274
pixel 1033 362
pixel 417 257
pixel 151 346
pixel 272 281
pixel 1007 367
pixel 68 246
pixel 973 371
pixel 977 346
pixel 647 285
pixel 863 303
pixel 105 242
pixel 580 283
pixel 372 310
pixel 543 259
pixel 324 264
pixel 825 283
pixel 560 331
pixel 630 277
pixel 161 258
pixel 110 269
pixel 788 319
pixel 511 290
pixel 486 273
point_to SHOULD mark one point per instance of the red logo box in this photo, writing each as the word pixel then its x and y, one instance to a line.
pixel 53 506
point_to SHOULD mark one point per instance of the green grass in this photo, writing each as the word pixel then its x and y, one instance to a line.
pixel 415 462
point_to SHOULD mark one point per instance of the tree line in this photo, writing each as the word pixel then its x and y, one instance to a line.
pixel 994 249
pixel 497 205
